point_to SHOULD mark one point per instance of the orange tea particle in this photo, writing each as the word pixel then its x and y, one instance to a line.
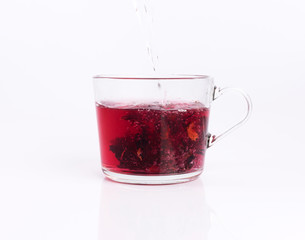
pixel 191 132
pixel 139 153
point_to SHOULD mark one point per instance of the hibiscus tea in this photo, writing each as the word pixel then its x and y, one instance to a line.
pixel 152 139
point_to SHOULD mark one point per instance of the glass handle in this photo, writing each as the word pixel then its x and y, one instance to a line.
pixel 212 139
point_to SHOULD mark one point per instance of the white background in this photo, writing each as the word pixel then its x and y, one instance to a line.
pixel 51 186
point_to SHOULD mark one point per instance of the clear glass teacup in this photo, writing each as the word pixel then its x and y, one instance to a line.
pixel 154 130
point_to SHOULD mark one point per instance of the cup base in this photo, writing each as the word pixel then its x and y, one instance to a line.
pixel 151 180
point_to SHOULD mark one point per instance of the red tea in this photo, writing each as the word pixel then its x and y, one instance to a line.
pixel 152 139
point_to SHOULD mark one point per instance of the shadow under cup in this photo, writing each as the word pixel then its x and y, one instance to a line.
pixel 134 212
pixel 153 130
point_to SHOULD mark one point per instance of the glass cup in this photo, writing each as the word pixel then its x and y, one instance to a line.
pixel 154 130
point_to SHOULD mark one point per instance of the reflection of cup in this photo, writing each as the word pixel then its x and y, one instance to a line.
pixel 153 130
pixel 135 212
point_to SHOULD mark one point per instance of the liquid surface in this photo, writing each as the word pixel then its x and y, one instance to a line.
pixel 152 138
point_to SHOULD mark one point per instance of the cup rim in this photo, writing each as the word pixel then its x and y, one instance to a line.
pixel 153 77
